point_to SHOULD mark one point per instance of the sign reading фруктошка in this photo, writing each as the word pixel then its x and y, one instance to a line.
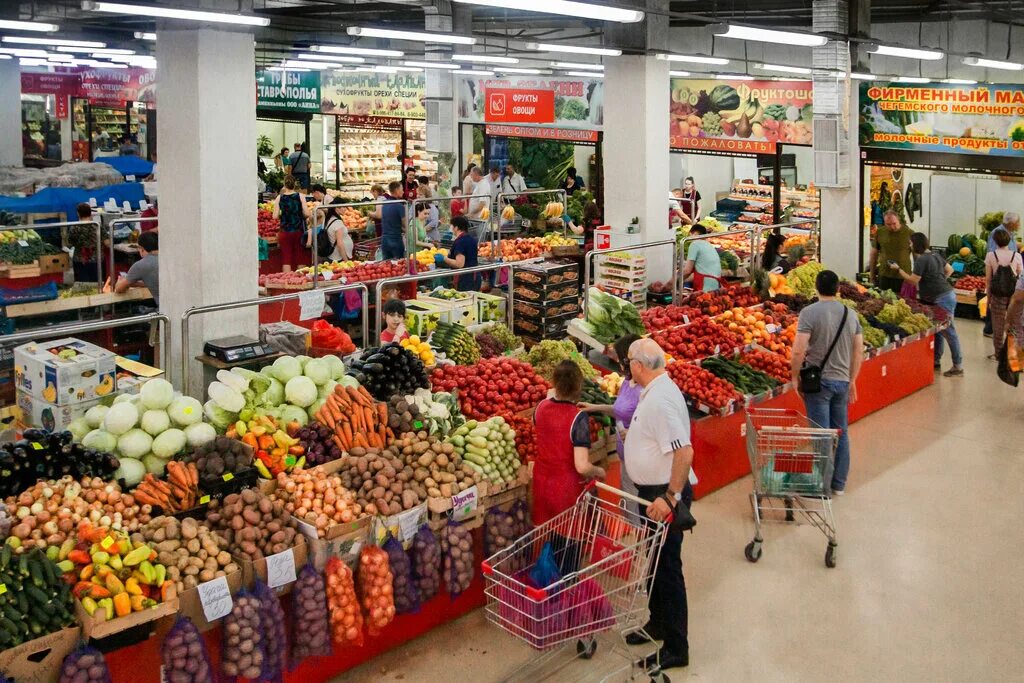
pixel 290 90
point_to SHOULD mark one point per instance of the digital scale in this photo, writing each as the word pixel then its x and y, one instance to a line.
pixel 238 348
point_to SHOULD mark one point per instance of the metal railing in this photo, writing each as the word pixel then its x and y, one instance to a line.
pixel 69 329
pixel 113 226
pixel 451 272
pixel 69 224
pixel 234 305
pixel 314 257
pixel 750 233
pixel 500 205
pixel 588 268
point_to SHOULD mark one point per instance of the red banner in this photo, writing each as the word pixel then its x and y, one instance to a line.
pixel 51 84
pixel 513 105
pixel 563 134
pixel 115 87
pixel 732 146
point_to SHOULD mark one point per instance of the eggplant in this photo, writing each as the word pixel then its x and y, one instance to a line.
pixel 377 358
pixel 373 368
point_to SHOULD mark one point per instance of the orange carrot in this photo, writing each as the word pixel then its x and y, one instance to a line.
pixel 346 432
pixel 382 412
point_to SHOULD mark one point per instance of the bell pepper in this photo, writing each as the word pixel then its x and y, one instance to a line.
pixel 136 556
pixel 141 602
pixel 79 557
pixel 89 605
pixel 296 450
pixel 160 575
pixel 168 591
pixel 265 442
pixel 132 587
pixel 123 604
pixel 251 439
pixel 261 467
pixel 148 571
pixel 114 584
pixel 240 428
pixel 108 607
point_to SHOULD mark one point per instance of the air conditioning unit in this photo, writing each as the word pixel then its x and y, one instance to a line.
pixel 440 134
pixel 831 161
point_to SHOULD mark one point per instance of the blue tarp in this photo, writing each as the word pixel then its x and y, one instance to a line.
pixel 129 165
pixel 66 199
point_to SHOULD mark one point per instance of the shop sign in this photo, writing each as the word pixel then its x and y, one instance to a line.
pixel 511 105
pixel 367 94
pixel 971 119
pixel 538 133
pixel 574 102
pixel 65 85
pixel 752 116
pixel 115 87
pixel 381 122
pixel 290 90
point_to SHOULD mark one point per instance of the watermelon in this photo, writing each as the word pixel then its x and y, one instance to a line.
pixel 954 243
pixel 980 248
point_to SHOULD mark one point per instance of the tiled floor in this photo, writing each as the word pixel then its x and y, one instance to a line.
pixel 930 575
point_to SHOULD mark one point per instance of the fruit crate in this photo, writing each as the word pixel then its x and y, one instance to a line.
pixel 546 273
pixel 545 292
pixel 540 310
pixel 623 260
pixel 549 328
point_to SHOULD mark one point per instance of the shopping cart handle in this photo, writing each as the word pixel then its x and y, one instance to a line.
pixel 594 483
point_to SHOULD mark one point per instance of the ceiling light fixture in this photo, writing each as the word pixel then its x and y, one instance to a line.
pixel 765 35
pixel 959 81
pixel 476 72
pixel 410 69
pixel 172 13
pixel 141 35
pixel 781 68
pixel 347 50
pixel 679 74
pixel 733 77
pixel 585 74
pixel 433 65
pixel 302 64
pixel 24 52
pixel 28 61
pixel 863 77
pixel 906 52
pixel 574 49
pixel 693 59
pixel 912 79
pixel 992 63
pixel 510 70
pixel 577 65
pixel 578 10
pixel 60 58
pixel 332 58
pixel 11 25
pixel 53 41
pixel 95 50
pixel 281 68
pixel 420 36
pixel 485 59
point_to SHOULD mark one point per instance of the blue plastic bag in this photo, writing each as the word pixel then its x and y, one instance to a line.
pixel 545 571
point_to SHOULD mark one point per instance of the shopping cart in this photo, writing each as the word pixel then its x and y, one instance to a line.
pixel 607 553
pixel 791 459
pixel 366 250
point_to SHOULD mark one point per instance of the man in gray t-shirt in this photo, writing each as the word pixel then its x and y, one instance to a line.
pixel 818 326
pixel 146 271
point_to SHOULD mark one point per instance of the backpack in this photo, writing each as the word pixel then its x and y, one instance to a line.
pixel 1004 282
pixel 324 245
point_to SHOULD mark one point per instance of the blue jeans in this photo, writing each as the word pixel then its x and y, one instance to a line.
pixel 392 247
pixel 947 302
pixel 828 409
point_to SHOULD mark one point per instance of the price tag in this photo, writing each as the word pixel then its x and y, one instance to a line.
pixel 129 178
pixel 289 461
pixel 23 243
pixel 409 522
pixel 204 500
pixel 107 543
pixel 311 304
pixel 327 275
pixel 885 370
pixel 36 446
pixel 686 319
pixel 772 329
pixel 718 349
pixel 417 424
pixel 958 266
pixel 3 588
pixel 228 476
pixel 215 597
pixel 280 569
pixel 464 504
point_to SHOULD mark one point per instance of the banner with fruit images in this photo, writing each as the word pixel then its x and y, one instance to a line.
pixel 368 94
pixel 966 119
pixel 741 117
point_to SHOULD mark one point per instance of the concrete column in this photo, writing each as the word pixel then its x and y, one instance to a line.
pixel 842 207
pixel 10 113
pixel 207 129
pixel 635 152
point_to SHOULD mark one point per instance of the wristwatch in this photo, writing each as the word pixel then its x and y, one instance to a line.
pixel 676 496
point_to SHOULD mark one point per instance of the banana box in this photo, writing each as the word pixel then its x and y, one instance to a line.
pixel 64 371
pixel 35 412
pixel 490 308
pixel 461 311
pixel 422 317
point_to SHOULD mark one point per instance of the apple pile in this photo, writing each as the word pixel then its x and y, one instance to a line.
pixel 267 225
pixel 661 317
pixel 699 339
pixel 720 300
pixel 702 386
pixel 495 386
pixel 292 280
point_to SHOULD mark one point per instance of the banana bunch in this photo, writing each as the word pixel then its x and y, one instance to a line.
pixel 752 108
pixel 554 210
pixel 508 213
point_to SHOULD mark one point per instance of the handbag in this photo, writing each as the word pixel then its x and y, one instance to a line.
pixel 810 375
pixel 1009 364
pixel 683 519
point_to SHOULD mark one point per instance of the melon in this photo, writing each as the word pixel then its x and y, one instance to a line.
pixel 965 252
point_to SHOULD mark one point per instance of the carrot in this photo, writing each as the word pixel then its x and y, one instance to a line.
pixel 382 412
pixel 333 410
pixel 324 416
pixel 368 417
pixel 359 440
pixel 346 432
pixel 358 396
pixel 338 442
pixel 381 433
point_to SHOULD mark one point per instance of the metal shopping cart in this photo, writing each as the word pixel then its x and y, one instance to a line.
pixel 607 553
pixel 366 250
pixel 791 459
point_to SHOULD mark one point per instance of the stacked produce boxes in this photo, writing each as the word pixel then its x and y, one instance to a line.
pixel 546 297
pixel 624 275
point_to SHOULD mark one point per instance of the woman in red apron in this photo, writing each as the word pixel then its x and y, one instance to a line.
pixel 563 439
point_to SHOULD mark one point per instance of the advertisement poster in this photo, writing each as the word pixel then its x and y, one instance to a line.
pixel 114 87
pixel 538 133
pixel 577 102
pixel 741 117
pixel 369 94
pixel 510 105
pixel 65 85
pixel 290 90
pixel 963 119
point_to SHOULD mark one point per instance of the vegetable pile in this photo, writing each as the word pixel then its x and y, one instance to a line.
pixel 489 346
pixel 244 651
pixel 700 338
pixel 346 618
pixel 272 623
pixel 488 448
pixel 382 483
pixel 406 596
pixel 437 413
pixel 457 546
pixel 546 355
pixel 609 317
pixel 801 279
pixel 457 344
pixel 425 555
pixel 701 385
pixel 184 655
pixel 189 549
pixel 503 335
pixel 311 627
pixel 317 440
pixel 326 336
pixel 252 524
pixel 376 588
pixel 84 665
pixel 36 602
pixel 419 348
pixel 660 317
pixel 594 393
pixel 176 494
pixel 746 379
pixel 492 386
pixel 316 498
pixel 217 459
pixel 357 420
pixel 770 364
pixel 526 435
pixel 438 471
pixel 49 455
pixel 275 445
pixel 388 370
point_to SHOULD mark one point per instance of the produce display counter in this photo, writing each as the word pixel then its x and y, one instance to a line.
pixel 77 303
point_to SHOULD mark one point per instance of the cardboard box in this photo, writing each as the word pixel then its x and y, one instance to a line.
pixel 36 412
pixel 258 569
pixel 341 540
pixel 422 317
pixel 191 606
pixel 460 311
pixel 54 263
pixel 94 630
pixel 131 375
pixel 86 375
pixel 490 308
pixel 39 660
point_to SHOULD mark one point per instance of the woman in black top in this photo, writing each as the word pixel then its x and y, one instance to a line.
pixel 774 255
pixel 690 199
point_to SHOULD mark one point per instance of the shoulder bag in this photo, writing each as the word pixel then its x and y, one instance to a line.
pixel 810 375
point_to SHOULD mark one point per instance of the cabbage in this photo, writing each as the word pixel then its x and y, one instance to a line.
pixel 154 465
pixel 349 381
pixel 233 379
pixel 286 367
pixel 198 433
pixel 134 443
pixel 303 360
pixel 169 444
pixel 185 410
pixel 156 394
pixel 99 440
pixel 335 365
pixel 327 389
pixel 131 470
pixel 154 422
pixel 79 427
pixel 273 396
pixel 94 416
pixel 311 410
pixel 217 416
pixel 255 382
pixel 125 398
pixel 294 414
pixel 300 391
pixel 318 371
pixel 226 397
pixel 120 418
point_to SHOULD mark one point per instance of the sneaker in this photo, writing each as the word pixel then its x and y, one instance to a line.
pixel 954 372
pixel 987 334
pixel 937 367
pixel 838 492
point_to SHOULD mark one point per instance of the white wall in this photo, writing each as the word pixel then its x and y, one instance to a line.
pixel 711 174
pixel 10 113
pixel 804 162
pixel 581 160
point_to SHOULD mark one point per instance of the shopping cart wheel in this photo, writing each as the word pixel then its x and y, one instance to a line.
pixel 830 555
pixel 789 510
pixel 660 678
pixel 753 551
pixel 586 648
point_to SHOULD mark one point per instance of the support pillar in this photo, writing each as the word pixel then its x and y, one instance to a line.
pixel 207 129
pixel 10 113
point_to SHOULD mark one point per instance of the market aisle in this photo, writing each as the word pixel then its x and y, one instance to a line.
pixel 927 585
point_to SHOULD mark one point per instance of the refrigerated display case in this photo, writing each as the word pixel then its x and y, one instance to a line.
pixel 416 148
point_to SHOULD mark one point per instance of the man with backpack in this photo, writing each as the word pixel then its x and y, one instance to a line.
pixel 1010 226
pixel 1003 266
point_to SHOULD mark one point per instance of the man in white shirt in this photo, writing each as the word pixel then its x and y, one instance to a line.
pixel 481 194
pixel 658 456
pixel 512 182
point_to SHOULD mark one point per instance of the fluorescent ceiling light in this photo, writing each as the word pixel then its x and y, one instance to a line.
pixel 281 68
pixel 95 51
pixel 908 52
pixel 765 35
pixel 959 81
pixel 781 68
pixel 24 52
pixel 346 50
pixel 585 74
pixel 410 69
pixel 62 59
pixel 420 36
pixel 577 65
pixel 992 63
pixel 28 61
pixel 863 77
pixel 302 64
pixel 912 79
pixel 485 59
pixel 173 13
pixel 332 58
pixel 680 74
pixel 27 26
pixel 103 65
pixel 510 70
pixel 433 65
pixel 476 72
pixel 53 41
pixel 141 35
pixel 574 49
pixel 733 77
pixel 693 59
pixel 578 10
pixel 6 57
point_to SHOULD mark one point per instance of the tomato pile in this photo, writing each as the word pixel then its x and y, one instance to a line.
pixel 696 340
pixel 494 386
pixel 970 282
pixel 368 271
pixel 700 385
pixel 526 436
pixel 771 364
pixel 660 317
pixel 266 224
pixel 720 300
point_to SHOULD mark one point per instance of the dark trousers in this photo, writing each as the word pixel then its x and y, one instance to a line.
pixel 668 592
pixel 893 284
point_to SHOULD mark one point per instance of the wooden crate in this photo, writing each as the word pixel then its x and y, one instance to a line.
pixel 53 263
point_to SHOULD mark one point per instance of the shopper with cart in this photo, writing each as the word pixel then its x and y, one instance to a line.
pixel 658 457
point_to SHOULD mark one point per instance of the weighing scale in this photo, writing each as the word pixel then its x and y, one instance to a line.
pixel 237 348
